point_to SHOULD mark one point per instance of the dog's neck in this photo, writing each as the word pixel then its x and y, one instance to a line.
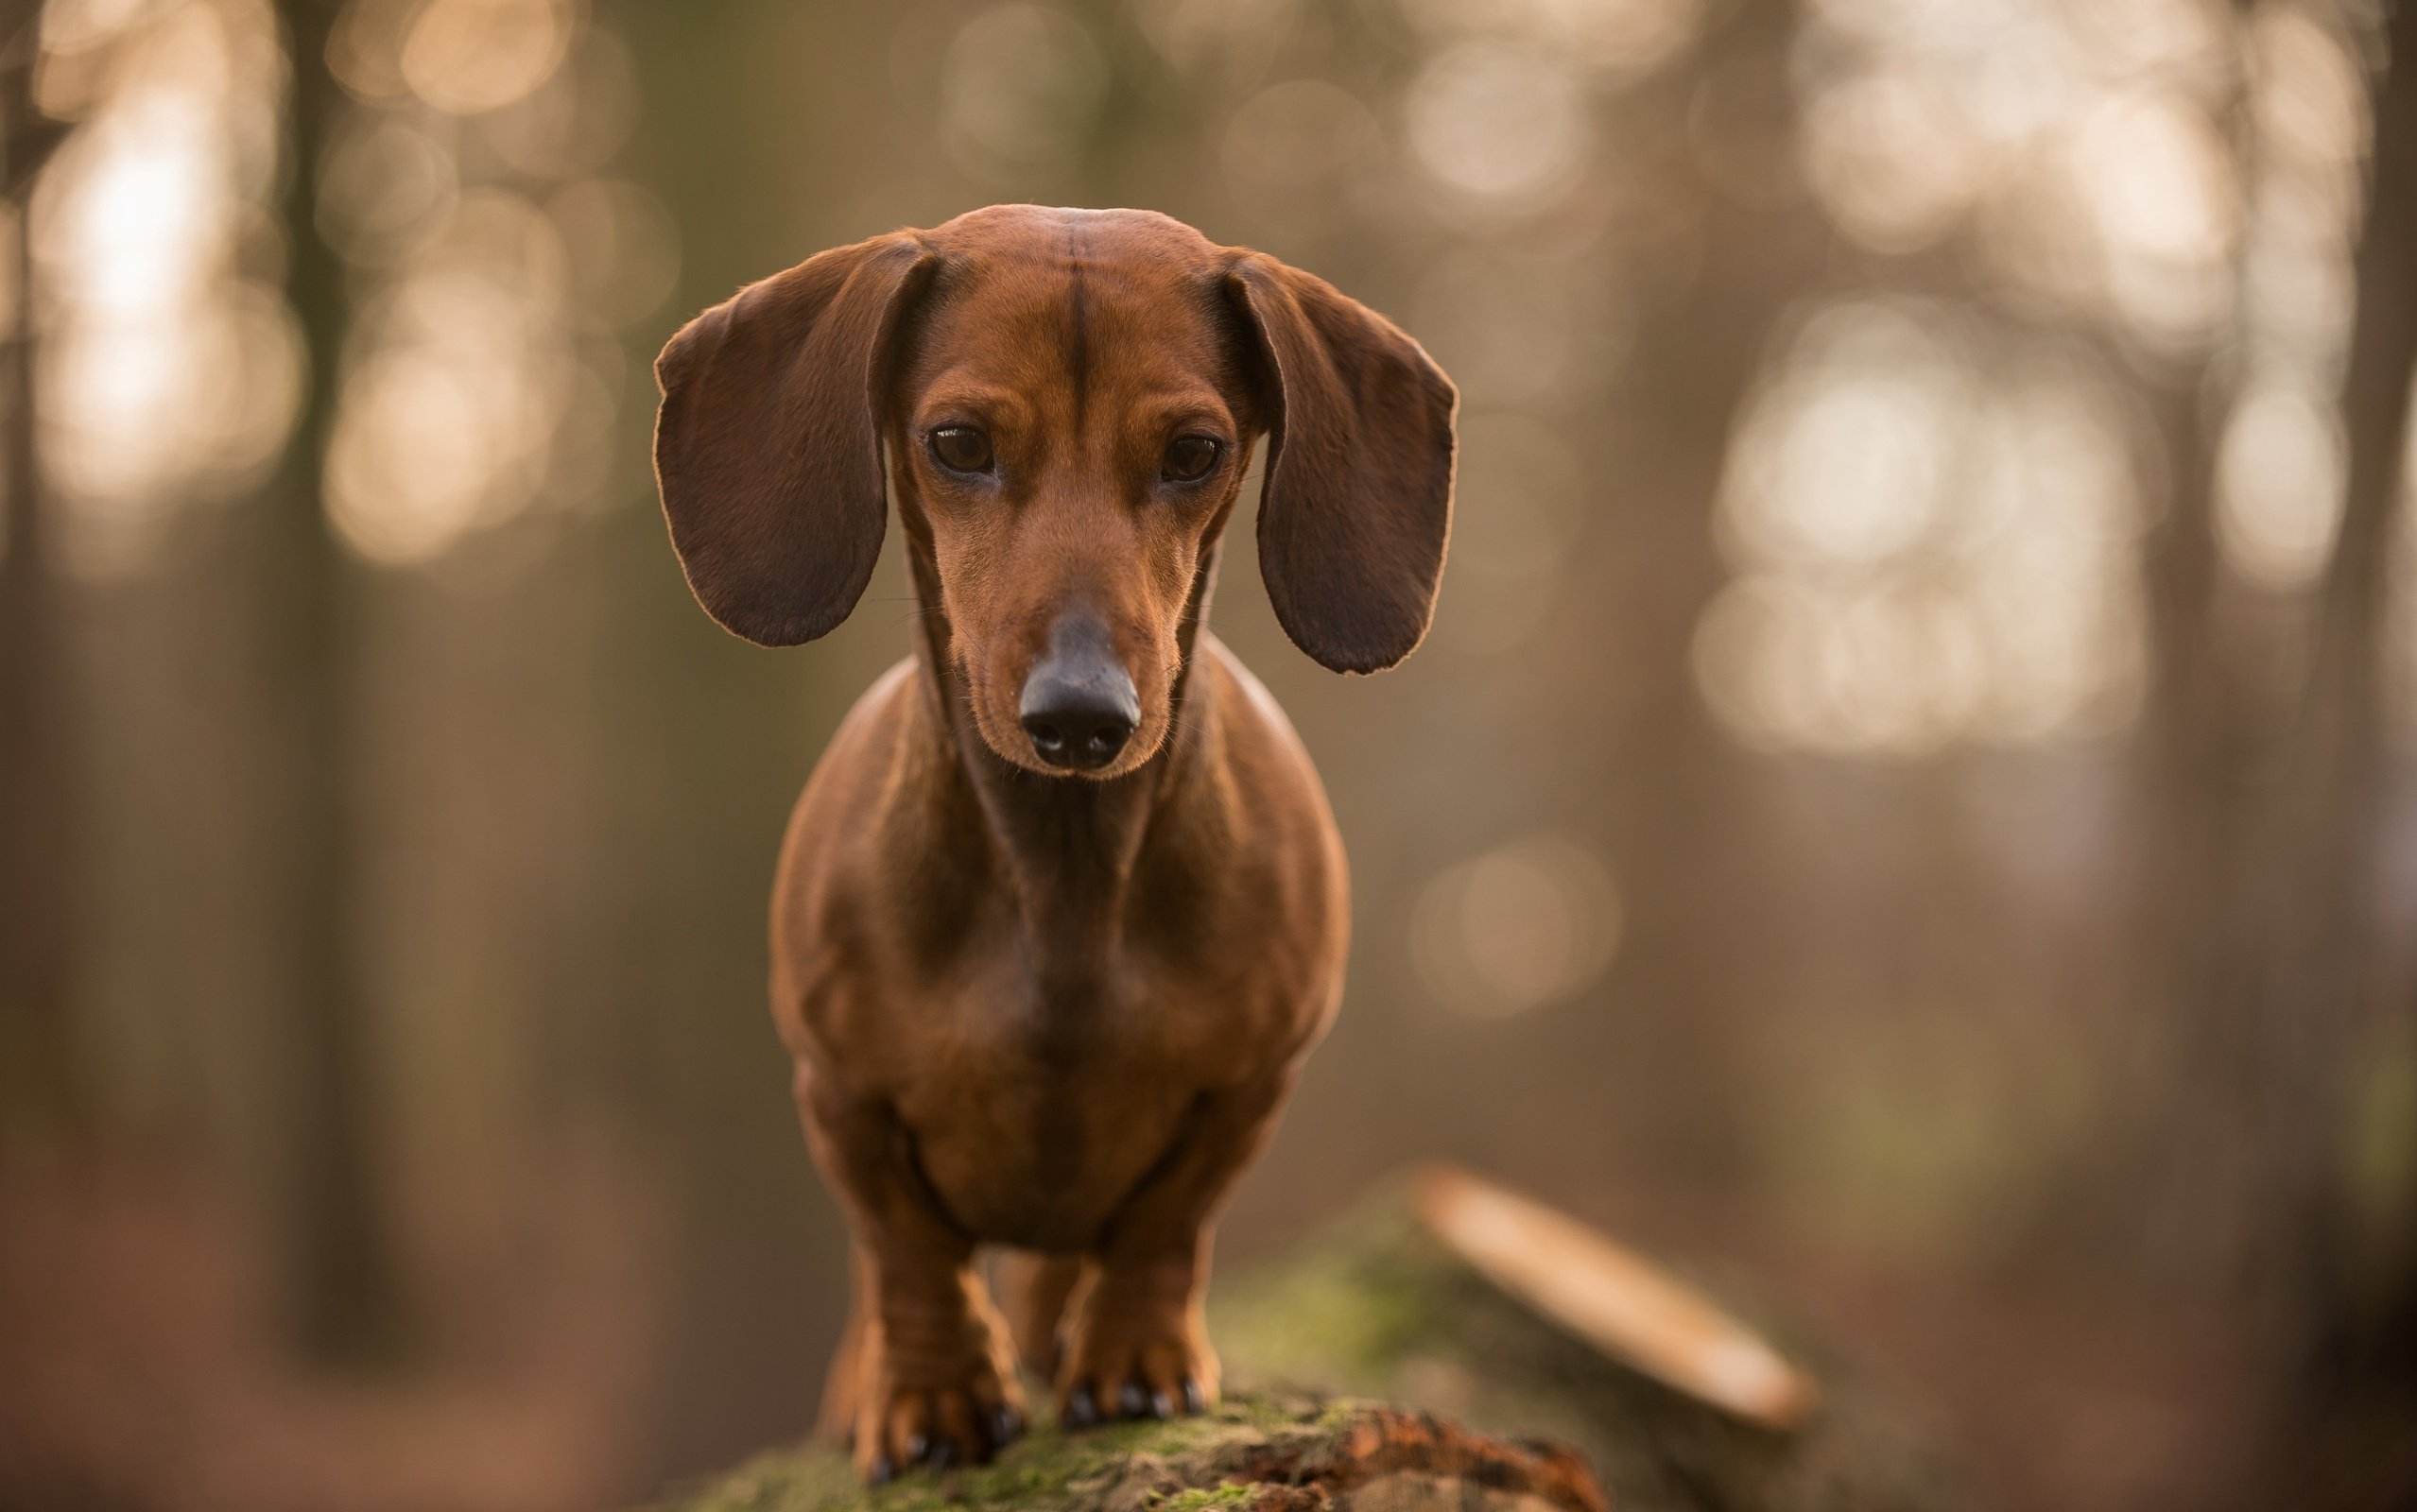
pixel 1069 846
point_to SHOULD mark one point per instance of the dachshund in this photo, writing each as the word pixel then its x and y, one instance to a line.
pixel 1063 910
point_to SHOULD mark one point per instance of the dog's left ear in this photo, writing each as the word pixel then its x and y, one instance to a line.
pixel 1357 502
pixel 768 450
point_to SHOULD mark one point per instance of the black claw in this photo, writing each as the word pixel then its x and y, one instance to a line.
pixel 1006 1427
pixel 1195 1400
pixel 1082 1410
pixel 943 1454
pixel 916 1446
pixel 1161 1405
pixel 1133 1399
pixel 881 1472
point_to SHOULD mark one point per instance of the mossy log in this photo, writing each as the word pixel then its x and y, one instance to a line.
pixel 1586 1376
pixel 1247 1453
pixel 1393 1304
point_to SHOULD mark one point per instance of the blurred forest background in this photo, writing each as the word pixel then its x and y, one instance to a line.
pixel 1912 793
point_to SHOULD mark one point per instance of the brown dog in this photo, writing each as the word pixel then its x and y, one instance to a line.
pixel 1063 910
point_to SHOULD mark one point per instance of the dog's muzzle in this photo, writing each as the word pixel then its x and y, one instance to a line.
pixel 1078 706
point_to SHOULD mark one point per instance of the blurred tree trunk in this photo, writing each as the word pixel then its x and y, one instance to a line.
pixel 710 740
pixel 340 1267
pixel 38 891
pixel 2324 974
pixel 2321 988
pixel 2192 1061
pixel 2190 1065
pixel 1764 249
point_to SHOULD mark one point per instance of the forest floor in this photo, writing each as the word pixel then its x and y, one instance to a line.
pixel 143 1369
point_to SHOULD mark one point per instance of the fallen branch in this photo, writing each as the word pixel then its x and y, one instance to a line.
pixel 1455 1296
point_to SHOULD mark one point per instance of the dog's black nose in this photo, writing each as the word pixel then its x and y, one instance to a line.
pixel 1078 735
pixel 1078 704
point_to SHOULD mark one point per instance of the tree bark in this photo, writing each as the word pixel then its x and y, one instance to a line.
pixel 341 1275
pixel 2322 990
pixel 39 1074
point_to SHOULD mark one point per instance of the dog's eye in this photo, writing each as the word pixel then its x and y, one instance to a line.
pixel 962 449
pixel 1188 458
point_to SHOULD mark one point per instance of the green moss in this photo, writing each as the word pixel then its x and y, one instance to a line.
pixel 1138 1466
pixel 1375 1308
pixel 1200 1499
pixel 1342 1312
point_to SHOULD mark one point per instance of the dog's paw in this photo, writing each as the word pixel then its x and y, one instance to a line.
pixel 962 1422
pixel 1137 1370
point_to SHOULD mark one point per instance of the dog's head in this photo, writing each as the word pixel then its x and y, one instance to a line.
pixel 1068 398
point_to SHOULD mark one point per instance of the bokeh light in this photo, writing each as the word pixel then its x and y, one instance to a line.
pixel 623 249
pixel 1020 87
pixel 1525 924
pixel 1301 153
pixel 1510 560
pixel 1234 38
pixel 473 394
pixel 460 380
pixel 1895 158
pixel 1502 123
pixel 1615 39
pixel 2079 146
pixel 1518 330
pixel 1929 552
pixel 578 120
pixel 140 228
pixel 466 56
pixel 2278 497
pixel 387 183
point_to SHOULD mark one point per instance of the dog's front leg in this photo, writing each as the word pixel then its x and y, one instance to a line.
pixel 1139 1340
pixel 932 1377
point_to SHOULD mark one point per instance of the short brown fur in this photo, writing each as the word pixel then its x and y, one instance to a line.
pixel 1056 1013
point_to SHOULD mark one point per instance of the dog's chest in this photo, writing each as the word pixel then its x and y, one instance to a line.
pixel 1043 1115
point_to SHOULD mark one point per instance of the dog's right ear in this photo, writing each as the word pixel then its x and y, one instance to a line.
pixel 1357 502
pixel 768 448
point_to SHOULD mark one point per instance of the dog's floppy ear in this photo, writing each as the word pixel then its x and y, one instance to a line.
pixel 1358 496
pixel 768 449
